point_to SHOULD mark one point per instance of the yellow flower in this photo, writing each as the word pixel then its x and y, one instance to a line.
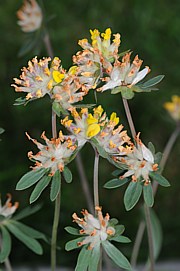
pixel 91 119
pixel 92 130
pixel 174 107
pixel 114 118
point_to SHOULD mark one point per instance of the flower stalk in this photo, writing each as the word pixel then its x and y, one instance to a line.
pixel 96 183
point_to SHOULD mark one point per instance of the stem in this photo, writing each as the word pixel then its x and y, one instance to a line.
pixel 54 126
pixel 47 44
pixel 96 189
pixel 150 236
pixel 129 117
pixel 54 231
pixel 84 182
pixel 8 265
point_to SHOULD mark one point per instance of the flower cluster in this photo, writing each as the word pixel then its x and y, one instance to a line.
pixel 8 208
pixel 174 107
pixel 94 229
pixel 55 154
pixel 140 162
pixel 87 126
pixel 30 16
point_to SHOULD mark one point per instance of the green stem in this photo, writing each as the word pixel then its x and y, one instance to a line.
pixel 8 265
pixel 96 185
pixel 150 236
pixel 129 117
pixel 54 232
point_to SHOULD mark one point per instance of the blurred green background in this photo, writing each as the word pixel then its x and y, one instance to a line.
pixel 150 29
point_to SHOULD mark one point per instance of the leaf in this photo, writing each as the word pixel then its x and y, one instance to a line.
pixel 84 105
pixel 116 255
pixel 30 178
pixel 94 259
pixel 83 259
pixel 116 90
pixel 153 81
pixel 119 229
pixel 127 93
pixel 158 157
pixel 132 195
pixel 39 188
pixel 156 232
pixel 1 130
pixel 121 239
pixel 5 244
pixel 117 172
pixel 27 212
pixel 148 195
pixel 73 244
pixel 29 231
pixel 21 101
pixel 55 185
pixel 159 178
pixel 31 243
pixel 72 230
pixel 123 53
pixel 67 175
pixel 113 222
pixel 114 183
pixel 151 148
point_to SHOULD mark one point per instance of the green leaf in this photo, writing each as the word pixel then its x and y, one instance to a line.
pixel 114 183
pixel 72 230
pixel 5 244
pixel 83 259
pixel 132 195
pixel 151 148
pixel 159 178
pixel 127 93
pixel 29 231
pixel 39 188
pixel 55 185
pixel 84 105
pixel 119 229
pixel 148 194
pixel 116 90
pixel 116 256
pixel 94 259
pixel 153 81
pixel 67 175
pixel 120 239
pixel 157 233
pixel 117 172
pixel 21 101
pixel 27 212
pixel 30 178
pixel 31 243
pixel 58 109
pixel 113 222
pixel 73 244
pixel 158 157
pixel 123 53
pixel 1 130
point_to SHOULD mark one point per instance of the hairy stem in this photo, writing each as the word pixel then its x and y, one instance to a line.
pixel 129 117
pixel 8 265
pixel 48 45
pixel 150 236
pixel 84 182
pixel 96 184
pixel 54 231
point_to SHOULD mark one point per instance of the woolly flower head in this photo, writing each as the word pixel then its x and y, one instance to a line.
pixel 55 154
pixel 39 79
pixel 8 208
pixel 30 16
pixel 174 107
pixel 140 162
pixel 95 229
pixel 87 126
pixel 124 74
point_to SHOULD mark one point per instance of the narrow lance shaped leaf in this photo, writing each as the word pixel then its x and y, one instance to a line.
pixel 31 243
pixel 116 256
pixel 55 185
pixel 153 81
pixel 30 178
pixel 27 212
pixel 121 239
pixel 114 183
pixel 132 195
pixel 159 178
pixel 5 245
pixel 73 244
pixel 83 259
pixel 39 188
pixel 72 230
pixel 67 175
pixel 94 259
pixel 148 194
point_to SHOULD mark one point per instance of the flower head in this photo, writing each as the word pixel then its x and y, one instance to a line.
pixel 95 229
pixel 174 107
pixel 8 208
pixel 55 154
pixel 124 74
pixel 30 16
pixel 39 79
pixel 140 162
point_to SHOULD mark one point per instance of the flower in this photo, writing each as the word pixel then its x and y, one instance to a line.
pixel 55 154
pixel 95 229
pixel 140 162
pixel 8 209
pixel 124 74
pixel 30 16
pixel 70 90
pixel 98 126
pixel 38 79
pixel 174 107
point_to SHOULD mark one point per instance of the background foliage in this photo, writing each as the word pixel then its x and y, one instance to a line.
pixel 149 28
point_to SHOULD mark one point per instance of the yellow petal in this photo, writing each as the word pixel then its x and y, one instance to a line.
pixel 114 118
pixel 91 119
pixel 92 130
pixel 57 76
pixel 98 110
